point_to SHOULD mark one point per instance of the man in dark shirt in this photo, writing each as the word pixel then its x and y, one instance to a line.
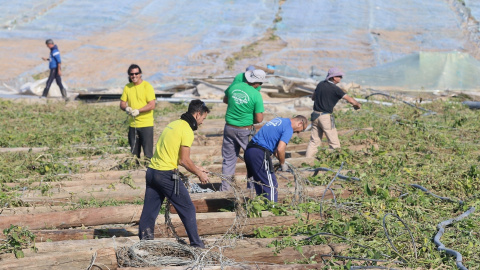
pixel 325 97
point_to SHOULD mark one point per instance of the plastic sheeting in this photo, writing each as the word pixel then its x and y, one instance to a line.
pixel 474 7
pixel 363 33
pixel 422 71
pixel 168 39
pixel 172 40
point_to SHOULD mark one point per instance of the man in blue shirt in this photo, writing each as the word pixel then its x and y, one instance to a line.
pixel 273 137
pixel 55 65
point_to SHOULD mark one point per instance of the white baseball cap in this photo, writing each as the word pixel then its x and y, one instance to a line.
pixel 255 76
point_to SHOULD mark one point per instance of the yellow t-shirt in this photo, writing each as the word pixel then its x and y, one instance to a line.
pixel 137 96
pixel 167 151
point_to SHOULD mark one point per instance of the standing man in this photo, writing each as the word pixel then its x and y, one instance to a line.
pixel 173 149
pixel 138 101
pixel 325 97
pixel 245 108
pixel 273 137
pixel 55 65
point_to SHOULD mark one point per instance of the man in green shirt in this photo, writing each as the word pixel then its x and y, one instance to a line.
pixel 245 108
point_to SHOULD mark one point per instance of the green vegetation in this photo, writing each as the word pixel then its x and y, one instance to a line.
pixel 439 152
pixel 296 140
pixel 83 203
pixel 16 239
pixel 76 130
pixel 248 51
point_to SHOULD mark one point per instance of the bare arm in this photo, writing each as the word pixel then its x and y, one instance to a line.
pixel 150 106
pixel 280 152
pixel 352 101
pixel 225 99
pixel 258 118
pixel 187 163
pixel 123 105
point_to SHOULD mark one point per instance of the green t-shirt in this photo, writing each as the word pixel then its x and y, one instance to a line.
pixel 241 78
pixel 243 102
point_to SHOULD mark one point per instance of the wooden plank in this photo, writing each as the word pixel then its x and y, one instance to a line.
pixel 209 224
pixel 75 245
pixel 75 218
pixel 60 260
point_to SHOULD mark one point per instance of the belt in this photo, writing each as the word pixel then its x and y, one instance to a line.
pixel 251 144
pixel 267 154
pixel 322 113
pixel 245 127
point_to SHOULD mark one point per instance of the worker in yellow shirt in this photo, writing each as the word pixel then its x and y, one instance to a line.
pixel 138 101
pixel 162 179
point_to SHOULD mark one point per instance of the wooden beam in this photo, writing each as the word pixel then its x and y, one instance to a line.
pixel 60 260
pixel 75 218
pixel 208 224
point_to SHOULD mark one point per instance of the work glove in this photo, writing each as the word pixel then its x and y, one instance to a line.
pixel 284 167
pixel 128 110
pixel 135 113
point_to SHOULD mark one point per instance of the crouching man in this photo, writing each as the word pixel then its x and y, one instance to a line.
pixel 273 137
pixel 173 149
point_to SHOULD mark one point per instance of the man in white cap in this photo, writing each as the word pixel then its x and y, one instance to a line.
pixel 241 78
pixel 325 97
pixel 245 108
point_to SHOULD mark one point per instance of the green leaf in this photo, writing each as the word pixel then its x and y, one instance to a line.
pixel 367 190
pixel 15 236
pixel 19 254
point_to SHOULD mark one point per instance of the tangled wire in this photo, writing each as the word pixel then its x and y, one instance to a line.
pixel 150 253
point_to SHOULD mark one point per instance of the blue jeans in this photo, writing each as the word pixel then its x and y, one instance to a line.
pixel 159 186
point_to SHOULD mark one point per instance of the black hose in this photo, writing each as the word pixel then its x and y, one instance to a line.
pixel 441 229
pixel 434 195
pixel 388 236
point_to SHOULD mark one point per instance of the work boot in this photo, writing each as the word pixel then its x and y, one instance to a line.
pixel 45 93
pixel 64 93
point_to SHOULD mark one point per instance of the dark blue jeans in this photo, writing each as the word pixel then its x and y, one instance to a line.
pixel 54 76
pixel 159 186
pixel 259 167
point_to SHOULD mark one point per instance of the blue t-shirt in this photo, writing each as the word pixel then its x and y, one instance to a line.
pixel 54 57
pixel 278 129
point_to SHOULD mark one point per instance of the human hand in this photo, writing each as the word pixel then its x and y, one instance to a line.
pixel 59 72
pixel 135 113
pixel 203 177
pixel 44 59
pixel 200 168
pixel 284 167
pixel 357 106
pixel 128 110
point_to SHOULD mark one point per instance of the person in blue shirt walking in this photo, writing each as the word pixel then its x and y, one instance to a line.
pixel 55 65
pixel 273 137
